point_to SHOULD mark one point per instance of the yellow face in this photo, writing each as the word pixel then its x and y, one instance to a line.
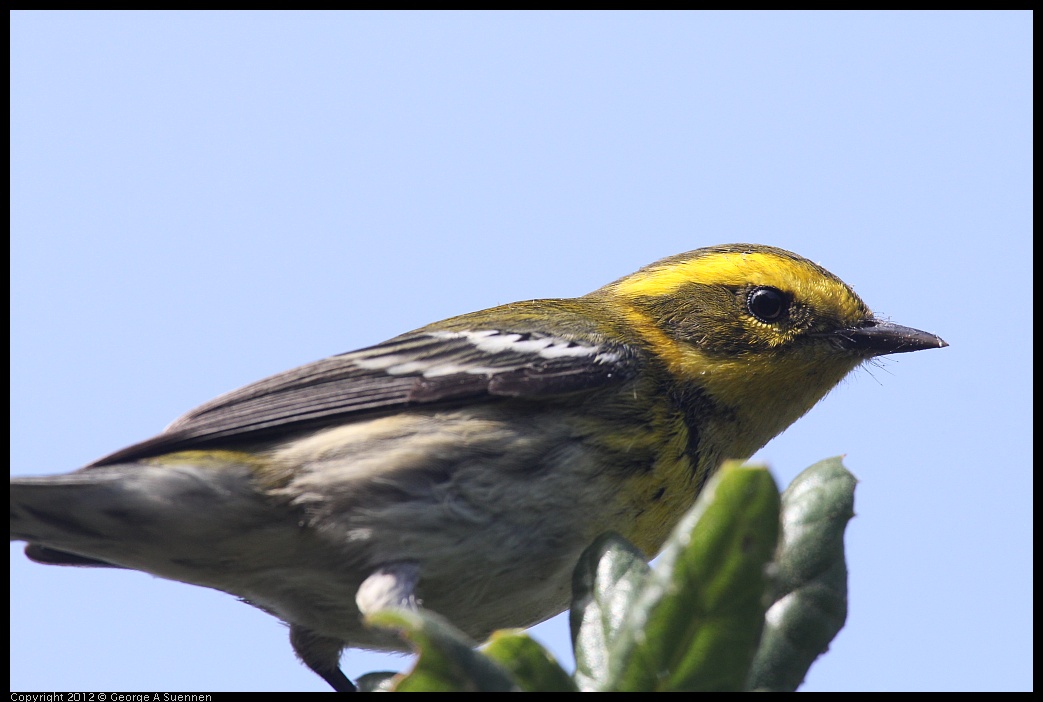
pixel 751 325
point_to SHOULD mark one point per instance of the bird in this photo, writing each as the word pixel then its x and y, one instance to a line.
pixel 464 466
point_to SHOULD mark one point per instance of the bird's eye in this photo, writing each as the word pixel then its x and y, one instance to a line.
pixel 767 304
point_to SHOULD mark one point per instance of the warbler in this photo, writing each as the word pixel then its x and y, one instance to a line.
pixel 465 465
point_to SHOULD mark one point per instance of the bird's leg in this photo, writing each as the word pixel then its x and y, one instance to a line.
pixel 391 585
pixel 322 655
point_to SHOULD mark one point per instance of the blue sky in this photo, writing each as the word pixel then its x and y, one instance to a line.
pixel 199 200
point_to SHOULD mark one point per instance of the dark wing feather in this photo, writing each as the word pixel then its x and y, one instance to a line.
pixel 420 368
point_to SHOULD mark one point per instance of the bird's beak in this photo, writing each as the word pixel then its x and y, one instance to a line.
pixel 877 338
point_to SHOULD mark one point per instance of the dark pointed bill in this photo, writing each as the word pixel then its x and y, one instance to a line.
pixel 878 338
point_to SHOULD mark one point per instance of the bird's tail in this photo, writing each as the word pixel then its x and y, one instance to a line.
pixel 170 520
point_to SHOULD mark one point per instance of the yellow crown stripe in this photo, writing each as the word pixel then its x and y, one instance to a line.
pixel 732 268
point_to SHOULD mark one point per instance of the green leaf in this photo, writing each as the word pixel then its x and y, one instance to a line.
pixel 810 591
pixel 607 577
pixel 696 622
pixel 531 666
pixel 447 661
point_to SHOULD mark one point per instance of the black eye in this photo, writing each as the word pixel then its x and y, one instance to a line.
pixel 767 304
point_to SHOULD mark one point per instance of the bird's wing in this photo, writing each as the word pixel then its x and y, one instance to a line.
pixel 424 367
